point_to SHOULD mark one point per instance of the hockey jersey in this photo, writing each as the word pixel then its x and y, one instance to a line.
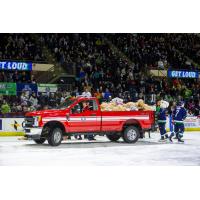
pixel 162 115
pixel 179 114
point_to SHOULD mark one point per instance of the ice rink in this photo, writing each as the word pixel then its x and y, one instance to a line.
pixel 101 152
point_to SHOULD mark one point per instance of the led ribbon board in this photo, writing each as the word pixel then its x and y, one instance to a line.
pixel 19 66
pixel 182 74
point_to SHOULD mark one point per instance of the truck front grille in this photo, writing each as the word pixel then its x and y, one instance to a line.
pixel 29 122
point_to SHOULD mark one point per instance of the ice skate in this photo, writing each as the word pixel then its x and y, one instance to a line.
pixel 91 139
pixel 80 138
pixel 180 139
pixel 162 139
pixel 176 137
pixel 170 140
pixel 170 137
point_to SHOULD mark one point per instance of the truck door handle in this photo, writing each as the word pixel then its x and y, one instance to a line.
pixel 93 114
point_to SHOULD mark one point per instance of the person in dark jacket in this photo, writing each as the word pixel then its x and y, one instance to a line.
pixel 178 116
pixel 52 101
pixel 162 119
pixel 157 112
pixel 172 106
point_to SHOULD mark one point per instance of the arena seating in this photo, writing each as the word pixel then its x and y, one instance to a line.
pixel 100 68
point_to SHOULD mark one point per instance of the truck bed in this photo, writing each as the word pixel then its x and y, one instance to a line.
pixel 114 120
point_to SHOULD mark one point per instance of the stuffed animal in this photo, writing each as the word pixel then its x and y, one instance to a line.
pixel 103 106
pixel 117 101
pixel 117 105
pixel 140 104
pixel 129 104
pixel 121 108
pixel 164 104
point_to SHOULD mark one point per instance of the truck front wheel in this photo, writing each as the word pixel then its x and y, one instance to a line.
pixel 113 137
pixel 40 141
pixel 131 134
pixel 55 137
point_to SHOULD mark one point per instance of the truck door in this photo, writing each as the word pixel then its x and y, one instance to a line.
pixel 92 117
pixel 81 120
pixel 76 119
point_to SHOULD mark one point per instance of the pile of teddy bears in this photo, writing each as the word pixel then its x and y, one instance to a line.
pixel 117 105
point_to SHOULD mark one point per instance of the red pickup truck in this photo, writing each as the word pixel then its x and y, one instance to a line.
pixel 70 118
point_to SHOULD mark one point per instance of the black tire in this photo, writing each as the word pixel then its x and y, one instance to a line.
pixel 131 134
pixel 113 137
pixel 40 141
pixel 55 137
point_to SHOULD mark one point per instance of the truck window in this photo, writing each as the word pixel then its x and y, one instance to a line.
pixel 93 105
pixel 66 104
pixel 76 109
pixel 85 106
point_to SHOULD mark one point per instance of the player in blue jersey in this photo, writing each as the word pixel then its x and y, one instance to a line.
pixel 162 119
pixel 172 106
pixel 179 114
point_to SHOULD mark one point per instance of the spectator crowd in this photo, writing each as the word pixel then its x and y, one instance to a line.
pixel 101 71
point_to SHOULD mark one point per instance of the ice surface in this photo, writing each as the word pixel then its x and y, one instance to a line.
pixel 102 152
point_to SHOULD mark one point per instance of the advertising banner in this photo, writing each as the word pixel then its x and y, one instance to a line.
pixel 191 123
pixel 7 88
pixel 11 127
pixel 12 124
pixel 19 66
pixel 26 87
pixel 47 88
pixel 182 74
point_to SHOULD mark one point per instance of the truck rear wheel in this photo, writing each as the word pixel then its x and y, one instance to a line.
pixel 55 137
pixel 113 137
pixel 131 134
pixel 40 141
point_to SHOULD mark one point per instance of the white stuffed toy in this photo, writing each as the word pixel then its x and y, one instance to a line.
pixel 117 101
pixel 164 104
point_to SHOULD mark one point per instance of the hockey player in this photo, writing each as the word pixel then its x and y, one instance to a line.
pixel 178 117
pixel 162 119
pixel 157 111
pixel 172 106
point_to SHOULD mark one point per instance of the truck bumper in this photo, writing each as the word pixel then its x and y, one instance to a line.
pixel 33 133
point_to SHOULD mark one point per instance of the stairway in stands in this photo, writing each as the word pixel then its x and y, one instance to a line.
pixel 122 55
pixel 55 72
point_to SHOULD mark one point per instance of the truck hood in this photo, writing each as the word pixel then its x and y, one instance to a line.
pixel 49 113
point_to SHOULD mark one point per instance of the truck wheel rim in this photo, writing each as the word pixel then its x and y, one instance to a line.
pixel 131 134
pixel 57 136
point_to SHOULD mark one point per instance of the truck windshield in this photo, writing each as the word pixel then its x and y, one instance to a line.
pixel 65 104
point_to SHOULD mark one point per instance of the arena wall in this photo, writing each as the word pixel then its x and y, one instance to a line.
pixel 13 126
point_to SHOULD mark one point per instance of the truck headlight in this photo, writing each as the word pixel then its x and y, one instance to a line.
pixel 37 120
